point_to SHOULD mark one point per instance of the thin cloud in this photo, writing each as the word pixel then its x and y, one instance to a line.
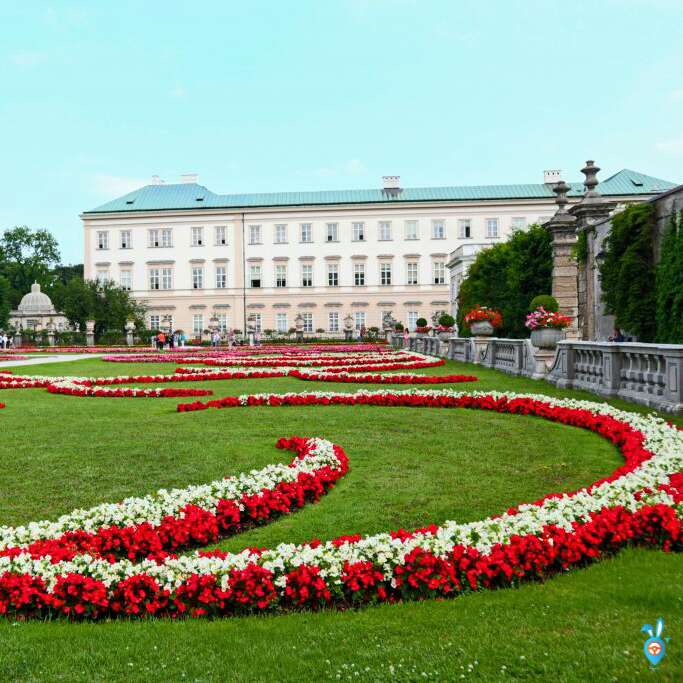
pixel 672 146
pixel 27 58
pixel 352 167
pixel 115 186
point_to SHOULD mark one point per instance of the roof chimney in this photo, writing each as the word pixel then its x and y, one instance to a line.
pixel 156 180
pixel 391 182
pixel 552 176
pixel 189 178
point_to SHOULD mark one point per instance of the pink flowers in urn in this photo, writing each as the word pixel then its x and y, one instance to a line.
pixel 541 319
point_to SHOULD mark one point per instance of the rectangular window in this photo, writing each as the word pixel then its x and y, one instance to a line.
pixel 254 277
pixel 221 277
pixel 126 280
pixel 154 281
pixel 385 273
pixel 254 234
pixel 438 230
pixel 412 277
pixel 281 322
pixel 306 232
pixel 359 232
pixel 197 277
pixel 102 275
pixel 464 228
pixel 518 223
pixel 307 276
pixel 384 231
pixel 492 227
pixel 197 237
pixel 332 232
pixel 153 238
pixel 332 275
pixel 166 278
pixel 154 321
pixel 308 321
pixel 412 319
pixel 358 320
pixel 439 270
pixel 166 237
pixel 359 274
pixel 411 230
pixel 220 235
pixel 257 320
pixel 333 321
pixel 197 324
pixel 103 240
pixel 126 239
pixel 222 321
pixel 280 234
pixel 280 276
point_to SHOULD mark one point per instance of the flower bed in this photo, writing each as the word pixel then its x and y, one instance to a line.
pixel 378 378
pixel 71 388
pixel 3 358
pixel 641 502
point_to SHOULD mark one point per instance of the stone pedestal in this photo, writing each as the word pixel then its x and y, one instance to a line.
pixel 348 335
pixel 480 344
pixel 90 333
pixel 51 337
pixel 543 361
pixel 17 340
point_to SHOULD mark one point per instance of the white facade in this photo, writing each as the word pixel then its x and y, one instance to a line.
pixel 191 266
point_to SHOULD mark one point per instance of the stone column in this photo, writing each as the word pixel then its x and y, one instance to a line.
pixel 562 227
pixel 90 333
pixel 592 209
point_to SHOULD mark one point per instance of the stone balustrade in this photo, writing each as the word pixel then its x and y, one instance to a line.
pixel 648 374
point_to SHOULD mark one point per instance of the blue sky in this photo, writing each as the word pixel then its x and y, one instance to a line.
pixel 294 95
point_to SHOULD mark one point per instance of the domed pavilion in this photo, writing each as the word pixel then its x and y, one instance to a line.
pixel 36 311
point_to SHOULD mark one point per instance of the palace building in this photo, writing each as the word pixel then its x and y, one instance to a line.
pixel 197 259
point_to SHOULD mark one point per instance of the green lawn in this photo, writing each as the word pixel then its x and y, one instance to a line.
pixel 409 467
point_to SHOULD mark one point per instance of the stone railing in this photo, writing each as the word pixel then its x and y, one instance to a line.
pixel 514 356
pixel 648 374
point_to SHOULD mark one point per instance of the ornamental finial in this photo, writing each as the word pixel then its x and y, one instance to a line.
pixel 561 189
pixel 590 170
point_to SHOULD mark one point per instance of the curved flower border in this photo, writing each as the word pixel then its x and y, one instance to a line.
pixel 640 503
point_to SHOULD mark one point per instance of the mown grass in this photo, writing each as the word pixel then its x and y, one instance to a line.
pixel 409 467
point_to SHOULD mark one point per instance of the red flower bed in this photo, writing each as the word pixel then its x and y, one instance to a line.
pixel 325 376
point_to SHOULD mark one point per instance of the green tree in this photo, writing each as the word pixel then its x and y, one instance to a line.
pixel 670 284
pixel 507 276
pixel 27 256
pixel 107 304
pixel 627 272
pixel 5 306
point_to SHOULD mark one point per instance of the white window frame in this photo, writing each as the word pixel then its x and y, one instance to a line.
pixel 492 228
pixel 333 321
pixel 222 321
pixel 465 228
pixel 384 231
pixel 255 234
pixel 413 273
pixel 280 275
pixel 166 278
pixel 438 229
pixel 518 223
pixel 308 321
pixel 154 279
pixel 102 240
pixel 197 236
pixel 255 274
pixel 358 231
pixel 412 230
pixel 154 321
pixel 411 320
pixel 280 233
pixel 197 329
pixel 385 271
pixel 281 323
pixel 306 232
pixel 197 277
pixel 306 275
pixel 358 320
pixel 166 238
pixel 359 275
pixel 126 282
pixel 220 235
pixel 221 277
pixel 102 275
pixel 333 275
pixel 332 232
pixel 126 239
pixel 438 273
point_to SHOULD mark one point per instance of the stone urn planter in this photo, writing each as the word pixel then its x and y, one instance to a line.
pixel 546 337
pixel 481 328
pixel 445 335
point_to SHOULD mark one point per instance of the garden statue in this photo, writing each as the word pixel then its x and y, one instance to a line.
pixel 299 325
pixel 348 328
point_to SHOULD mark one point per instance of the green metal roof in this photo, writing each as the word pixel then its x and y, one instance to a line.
pixel 194 196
